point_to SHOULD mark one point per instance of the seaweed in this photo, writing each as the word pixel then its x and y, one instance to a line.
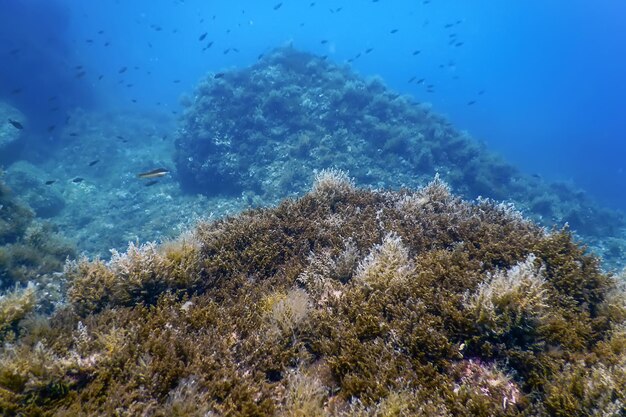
pixel 343 302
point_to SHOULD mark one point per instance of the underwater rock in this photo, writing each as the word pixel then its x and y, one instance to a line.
pixel 42 198
pixel 30 250
pixel 344 302
pixel 10 133
pixel 265 128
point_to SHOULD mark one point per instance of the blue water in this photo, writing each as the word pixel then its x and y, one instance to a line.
pixel 548 77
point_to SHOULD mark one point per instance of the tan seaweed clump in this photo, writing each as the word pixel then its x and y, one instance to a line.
pixel 345 302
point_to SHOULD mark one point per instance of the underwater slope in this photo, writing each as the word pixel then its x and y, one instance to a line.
pixel 344 302
pixel 267 127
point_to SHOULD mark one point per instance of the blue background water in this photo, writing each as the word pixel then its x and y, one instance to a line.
pixel 552 74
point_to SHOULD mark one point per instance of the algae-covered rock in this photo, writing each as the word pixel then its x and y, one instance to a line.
pixel 9 133
pixel 44 199
pixel 345 302
pixel 265 128
pixel 30 250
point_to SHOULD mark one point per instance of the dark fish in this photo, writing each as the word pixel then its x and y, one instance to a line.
pixel 449 25
pixel 78 179
pixel 416 52
pixel 107 43
pixel 16 91
pixel 203 36
pixel 100 77
pixel 459 44
pixel 122 70
pixel 208 45
pixel 411 80
pixel 469 103
pixel 155 173
pixel 219 75
pixel 323 41
pixel 50 182
pixel 16 124
pixel 51 128
pixel 278 6
pixel 421 80
pixel 73 134
pixel 176 81
pixel 94 162
pixel 392 31
pixel 81 74
pixel 150 183
pixel 368 50
pixel 481 92
pixel 226 51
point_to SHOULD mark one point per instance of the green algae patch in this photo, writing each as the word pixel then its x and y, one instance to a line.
pixel 344 302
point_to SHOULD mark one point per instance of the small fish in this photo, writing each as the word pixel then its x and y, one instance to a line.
pixel 324 41
pixel 469 103
pixel 151 183
pixel 50 182
pixel 411 79
pixel 155 173
pixel 219 75
pixel 73 134
pixel 368 50
pixel 78 179
pixel 81 74
pixel 392 31
pixel 203 36
pixel 122 70
pixel 16 124
pixel 278 6
pixel 416 52
pixel 94 162
pixel 51 128
pixel 16 91
pixel 459 44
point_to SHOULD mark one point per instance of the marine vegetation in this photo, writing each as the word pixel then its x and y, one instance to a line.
pixel 32 256
pixel 265 128
pixel 343 302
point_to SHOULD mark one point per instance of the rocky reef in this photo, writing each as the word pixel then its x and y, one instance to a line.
pixel 344 302
pixel 32 255
pixel 10 135
pixel 263 130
